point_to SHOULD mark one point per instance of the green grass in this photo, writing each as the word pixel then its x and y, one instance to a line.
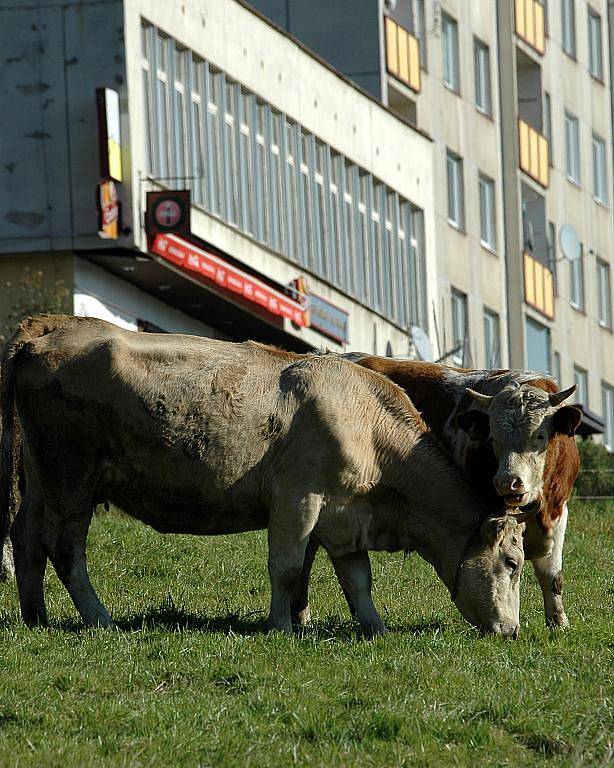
pixel 191 679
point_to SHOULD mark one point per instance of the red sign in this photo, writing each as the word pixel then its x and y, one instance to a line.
pixel 168 211
pixel 179 251
pixel 108 211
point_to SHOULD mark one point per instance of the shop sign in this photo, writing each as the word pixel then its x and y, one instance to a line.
pixel 108 210
pixel 109 134
pixel 184 254
pixel 329 319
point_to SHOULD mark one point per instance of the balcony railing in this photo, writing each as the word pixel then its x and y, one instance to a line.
pixel 402 55
pixel 530 24
pixel 533 153
pixel 538 286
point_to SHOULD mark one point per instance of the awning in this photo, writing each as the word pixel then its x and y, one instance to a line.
pixel 194 259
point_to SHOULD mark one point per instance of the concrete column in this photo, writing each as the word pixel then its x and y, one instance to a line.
pixel 512 218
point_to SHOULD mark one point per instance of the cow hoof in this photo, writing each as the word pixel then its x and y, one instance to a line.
pixel 303 617
pixel 374 630
pixel 558 621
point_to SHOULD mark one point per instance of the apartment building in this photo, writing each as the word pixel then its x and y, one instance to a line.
pixel 189 167
pixel 517 97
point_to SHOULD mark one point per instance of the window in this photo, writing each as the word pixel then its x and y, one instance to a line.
pixel 419 29
pixel 568 26
pixel 162 108
pixel 580 379
pixel 607 402
pixel 146 32
pixel 492 351
pixel 604 298
pixel 595 52
pixel 197 131
pixel 538 346
pixel 456 205
pixel 552 254
pixel 459 328
pixel 576 278
pixel 481 62
pixel 214 120
pixel 572 148
pixel 487 212
pixel 600 173
pixel 266 175
pixel 547 124
pixel 556 368
pixel 180 137
pixel 451 76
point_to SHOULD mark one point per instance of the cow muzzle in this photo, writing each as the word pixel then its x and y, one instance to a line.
pixel 512 490
pixel 504 629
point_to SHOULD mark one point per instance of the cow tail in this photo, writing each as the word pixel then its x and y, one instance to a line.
pixel 28 330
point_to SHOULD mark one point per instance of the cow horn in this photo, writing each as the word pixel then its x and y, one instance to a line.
pixel 482 399
pixel 526 513
pixel 556 398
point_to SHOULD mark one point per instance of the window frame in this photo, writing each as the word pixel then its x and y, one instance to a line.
pixel 576 283
pixel 455 162
pixel 490 230
pixel 450 52
pixel 580 378
pixel 595 53
pixel 607 408
pixel 572 149
pixel 458 300
pixel 492 334
pixel 604 294
pixel 482 78
pixel 600 170
pixel 568 28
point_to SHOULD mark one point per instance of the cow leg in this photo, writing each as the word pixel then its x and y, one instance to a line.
pixel 549 573
pixel 354 574
pixel 301 613
pixel 299 607
pixel 65 535
pixel 290 527
pixel 30 560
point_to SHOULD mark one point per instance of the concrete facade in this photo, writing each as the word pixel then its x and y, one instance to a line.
pixel 50 174
pixel 534 79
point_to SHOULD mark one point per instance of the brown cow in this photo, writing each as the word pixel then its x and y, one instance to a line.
pixel 506 427
pixel 194 435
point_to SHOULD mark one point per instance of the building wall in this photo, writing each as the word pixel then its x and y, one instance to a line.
pixel 463 262
pixel 577 334
pixel 234 40
pixel 54 57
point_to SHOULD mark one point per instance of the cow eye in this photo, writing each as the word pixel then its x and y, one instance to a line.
pixel 511 564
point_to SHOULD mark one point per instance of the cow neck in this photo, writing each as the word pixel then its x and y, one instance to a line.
pixel 441 513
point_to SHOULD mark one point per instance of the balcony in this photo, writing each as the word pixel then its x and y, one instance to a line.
pixel 530 24
pixel 533 153
pixel 402 55
pixel 538 286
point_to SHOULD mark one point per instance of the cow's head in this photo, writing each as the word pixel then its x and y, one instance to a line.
pixel 487 588
pixel 520 420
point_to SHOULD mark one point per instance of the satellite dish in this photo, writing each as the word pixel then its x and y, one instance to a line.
pixel 570 243
pixel 422 343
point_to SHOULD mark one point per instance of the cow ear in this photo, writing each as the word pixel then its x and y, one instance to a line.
pixel 475 423
pixel 493 530
pixel 566 420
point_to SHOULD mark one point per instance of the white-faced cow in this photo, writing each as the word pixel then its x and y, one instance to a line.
pixel 509 434
pixel 198 436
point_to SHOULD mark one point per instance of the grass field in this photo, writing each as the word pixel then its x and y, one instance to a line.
pixel 191 679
